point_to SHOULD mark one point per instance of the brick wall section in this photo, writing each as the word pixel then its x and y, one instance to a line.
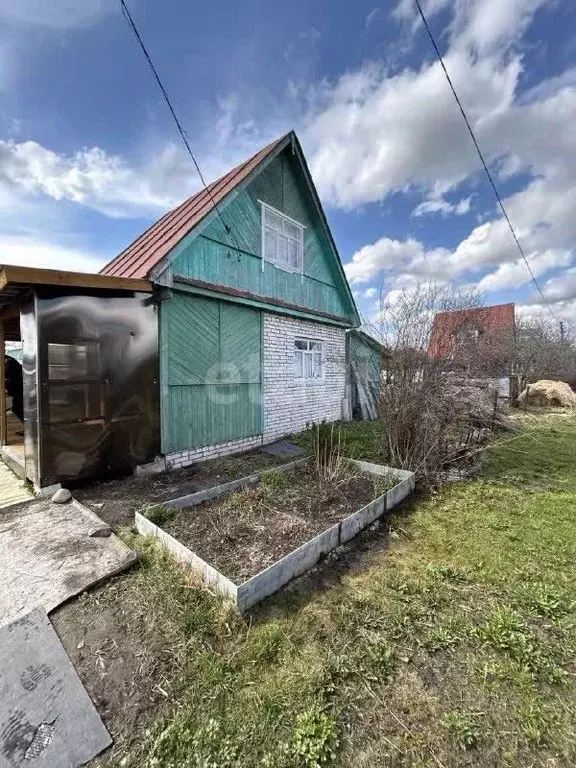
pixel 194 455
pixel 289 404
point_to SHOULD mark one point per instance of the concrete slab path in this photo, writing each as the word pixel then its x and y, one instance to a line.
pixel 47 555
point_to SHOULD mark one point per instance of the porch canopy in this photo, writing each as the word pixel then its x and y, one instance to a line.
pixel 16 281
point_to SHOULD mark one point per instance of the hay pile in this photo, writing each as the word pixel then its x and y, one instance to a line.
pixel 549 393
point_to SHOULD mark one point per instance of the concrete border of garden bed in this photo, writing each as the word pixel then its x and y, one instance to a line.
pixel 295 563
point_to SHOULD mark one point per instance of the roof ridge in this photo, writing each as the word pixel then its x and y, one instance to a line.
pixel 153 245
pixel 474 309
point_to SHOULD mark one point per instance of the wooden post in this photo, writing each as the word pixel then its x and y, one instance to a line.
pixel 2 386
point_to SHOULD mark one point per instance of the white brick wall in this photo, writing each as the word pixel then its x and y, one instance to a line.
pixel 289 404
pixel 194 455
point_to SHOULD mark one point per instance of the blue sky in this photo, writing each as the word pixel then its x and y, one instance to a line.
pixel 89 156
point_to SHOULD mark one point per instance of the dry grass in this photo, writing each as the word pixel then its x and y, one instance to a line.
pixel 246 531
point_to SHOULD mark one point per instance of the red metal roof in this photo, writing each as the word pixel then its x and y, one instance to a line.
pixel 485 319
pixel 155 243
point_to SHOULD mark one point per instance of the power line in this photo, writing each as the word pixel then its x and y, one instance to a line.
pixel 128 16
pixel 481 156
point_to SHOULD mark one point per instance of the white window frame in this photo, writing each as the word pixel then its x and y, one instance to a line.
pixel 310 352
pixel 299 270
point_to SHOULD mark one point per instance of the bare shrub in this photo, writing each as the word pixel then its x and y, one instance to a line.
pixel 429 420
pixel 327 452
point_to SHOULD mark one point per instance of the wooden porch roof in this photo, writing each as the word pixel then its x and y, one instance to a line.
pixel 13 280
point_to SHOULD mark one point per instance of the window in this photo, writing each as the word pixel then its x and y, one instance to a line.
pixel 72 361
pixel 74 382
pixel 282 240
pixel 308 362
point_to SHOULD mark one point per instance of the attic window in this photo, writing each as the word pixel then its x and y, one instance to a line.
pixel 282 240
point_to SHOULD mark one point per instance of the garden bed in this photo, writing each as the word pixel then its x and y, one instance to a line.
pixel 245 531
pixel 251 536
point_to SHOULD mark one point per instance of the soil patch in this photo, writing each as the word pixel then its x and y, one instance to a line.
pixel 244 532
pixel 123 655
pixel 116 500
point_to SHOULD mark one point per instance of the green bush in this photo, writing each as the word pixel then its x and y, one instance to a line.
pixel 314 740
pixel 463 727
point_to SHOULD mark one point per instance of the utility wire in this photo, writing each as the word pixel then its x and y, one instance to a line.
pixel 128 16
pixel 481 156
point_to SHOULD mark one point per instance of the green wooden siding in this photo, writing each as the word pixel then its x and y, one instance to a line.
pixel 211 370
pixel 366 357
pixel 212 255
pixel 365 361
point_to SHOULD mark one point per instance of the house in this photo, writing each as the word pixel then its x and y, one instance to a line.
pixel 478 340
pixel 220 328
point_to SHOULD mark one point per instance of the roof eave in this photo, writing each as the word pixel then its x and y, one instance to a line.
pixel 14 275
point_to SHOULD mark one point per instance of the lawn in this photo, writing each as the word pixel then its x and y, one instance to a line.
pixel 445 638
pixel 362 440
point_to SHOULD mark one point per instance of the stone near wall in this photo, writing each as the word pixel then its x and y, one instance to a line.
pixel 62 496
pixel 154 468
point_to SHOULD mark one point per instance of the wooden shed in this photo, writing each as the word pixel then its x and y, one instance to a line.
pixel 365 362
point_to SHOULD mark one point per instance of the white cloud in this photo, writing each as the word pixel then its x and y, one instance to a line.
pixel 375 134
pixel 370 17
pixel 26 251
pixel 383 254
pixel 563 310
pixel 561 287
pixel 463 206
pixel 381 134
pixel 370 293
pixel 406 9
pixel 514 274
pixel 95 179
pixel 486 25
pixel 371 133
pixel 56 14
pixel 439 205
pixel 480 25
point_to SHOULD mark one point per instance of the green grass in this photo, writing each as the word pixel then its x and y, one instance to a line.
pixel 159 514
pixel 363 440
pixel 451 645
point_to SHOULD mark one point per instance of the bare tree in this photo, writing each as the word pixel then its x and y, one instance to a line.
pixel 545 350
pixel 426 418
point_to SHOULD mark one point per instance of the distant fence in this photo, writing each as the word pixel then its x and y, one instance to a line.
pixel 506 387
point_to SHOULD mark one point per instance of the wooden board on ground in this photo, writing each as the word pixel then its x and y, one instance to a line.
pixel 13 490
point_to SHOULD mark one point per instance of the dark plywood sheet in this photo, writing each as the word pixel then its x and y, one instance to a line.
pixel 47 719
pixel 283 448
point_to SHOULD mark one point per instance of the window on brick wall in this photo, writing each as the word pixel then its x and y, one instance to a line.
pixel 282 239
pixel 308 359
